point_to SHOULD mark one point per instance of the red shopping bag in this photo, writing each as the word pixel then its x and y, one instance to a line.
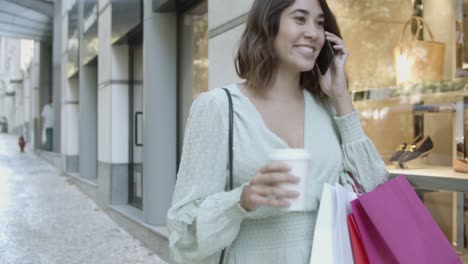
pixel 359 252
pixel 396 227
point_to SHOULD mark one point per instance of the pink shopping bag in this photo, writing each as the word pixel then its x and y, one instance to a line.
pixel 396 227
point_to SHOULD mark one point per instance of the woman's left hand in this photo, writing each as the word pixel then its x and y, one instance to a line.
pixel 334 82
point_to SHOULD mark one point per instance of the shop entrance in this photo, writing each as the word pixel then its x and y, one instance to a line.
pixel 136 123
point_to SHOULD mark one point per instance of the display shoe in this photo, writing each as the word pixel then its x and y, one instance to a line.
pixel 411 147
pixel 415 153
pixel 460 163
pixel 400 150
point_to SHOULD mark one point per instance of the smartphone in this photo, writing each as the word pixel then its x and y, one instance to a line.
pixel 325 58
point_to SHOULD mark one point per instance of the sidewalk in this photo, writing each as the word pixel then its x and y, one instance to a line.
pixel 46 219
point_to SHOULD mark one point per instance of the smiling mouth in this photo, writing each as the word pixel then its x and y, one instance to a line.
pixel 306 50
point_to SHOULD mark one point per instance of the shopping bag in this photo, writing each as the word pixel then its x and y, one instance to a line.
pixel 343 200
pixel 331 242
pixel 396 227
pixel 359 251
pixel 418 60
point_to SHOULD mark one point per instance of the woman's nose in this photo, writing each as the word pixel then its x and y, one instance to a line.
pixel 311 33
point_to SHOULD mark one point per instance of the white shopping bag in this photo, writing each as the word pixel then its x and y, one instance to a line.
pixel 331 242
pixel 344 198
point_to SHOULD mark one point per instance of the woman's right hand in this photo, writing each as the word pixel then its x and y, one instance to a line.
pixel 264 190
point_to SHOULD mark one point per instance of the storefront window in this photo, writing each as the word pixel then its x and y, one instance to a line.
pixel 200 60
pixel 407 75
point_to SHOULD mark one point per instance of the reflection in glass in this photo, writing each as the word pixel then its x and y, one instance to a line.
pixel 73 42
pixel 90 30
pixel 461 11
pixel 192 63
pixel 200 60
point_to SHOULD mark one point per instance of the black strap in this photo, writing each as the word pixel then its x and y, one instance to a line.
pixel 231 128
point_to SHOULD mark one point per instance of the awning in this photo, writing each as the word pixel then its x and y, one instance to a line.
pixel 29 19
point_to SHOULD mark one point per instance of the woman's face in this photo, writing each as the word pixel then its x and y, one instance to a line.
pixel 301 35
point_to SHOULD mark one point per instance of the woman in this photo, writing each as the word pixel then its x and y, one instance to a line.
pixel 284 103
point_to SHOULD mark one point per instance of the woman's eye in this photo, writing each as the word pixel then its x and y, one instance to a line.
pixel 300 19
pixel 321 23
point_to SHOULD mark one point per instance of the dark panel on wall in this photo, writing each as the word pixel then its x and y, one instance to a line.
pixel 184 5
pixel 174 5
pixel 90 30
pixel 126 16
pixel 164 5
pixel 73 42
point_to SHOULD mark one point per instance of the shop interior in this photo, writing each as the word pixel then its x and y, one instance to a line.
pixel 409 82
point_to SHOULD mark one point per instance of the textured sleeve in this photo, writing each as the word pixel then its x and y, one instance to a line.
pixel 203 218
pixel 360 157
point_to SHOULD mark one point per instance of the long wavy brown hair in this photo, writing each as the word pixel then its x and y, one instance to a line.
pixel 256 58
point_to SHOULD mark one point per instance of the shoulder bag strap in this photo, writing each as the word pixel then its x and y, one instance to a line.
pixel 231 128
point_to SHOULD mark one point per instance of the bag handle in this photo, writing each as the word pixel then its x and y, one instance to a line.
pixel 231 128
pixel 357 187
pixel 230 164
pixel 421 22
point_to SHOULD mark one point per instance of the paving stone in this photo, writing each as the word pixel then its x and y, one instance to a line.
pixel 45 219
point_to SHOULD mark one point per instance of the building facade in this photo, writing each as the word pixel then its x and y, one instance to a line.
pixel 122 76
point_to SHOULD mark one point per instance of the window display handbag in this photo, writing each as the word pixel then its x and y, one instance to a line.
pixel 230 165
pixel 396 227
pixel 418 60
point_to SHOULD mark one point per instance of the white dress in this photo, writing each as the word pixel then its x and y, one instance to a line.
pixel 204 219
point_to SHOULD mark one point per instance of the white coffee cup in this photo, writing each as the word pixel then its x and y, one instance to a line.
pixel 298 160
